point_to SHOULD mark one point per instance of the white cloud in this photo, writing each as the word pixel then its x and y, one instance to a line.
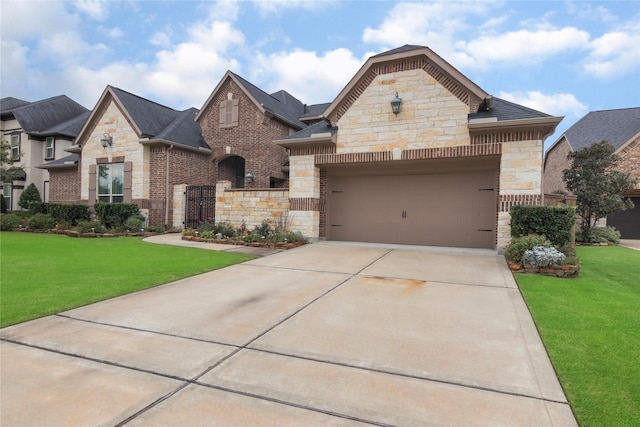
pixel 557 104
pixel 272 7
pixel 615 53
pixel 96 9
pixel 524 45
pixel 310 77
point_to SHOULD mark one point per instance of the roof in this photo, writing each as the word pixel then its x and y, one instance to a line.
pixel 9 103
pixel 156 122
pixel 314 110
pixel 505 110
pixel 614 126
pixel 322 127
pixel 69 128
pixel 41 116
pixel 70 161
pixel 401 49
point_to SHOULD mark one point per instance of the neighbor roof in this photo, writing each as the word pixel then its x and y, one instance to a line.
pixel 505 110
pixel 614 126
pixel 39 117
pixel 70 161
pixel 9 103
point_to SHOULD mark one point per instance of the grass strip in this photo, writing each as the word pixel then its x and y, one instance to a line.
pixel 590 326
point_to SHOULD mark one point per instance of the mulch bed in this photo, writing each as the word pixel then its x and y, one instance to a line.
pixel 566 270
pixel 276 245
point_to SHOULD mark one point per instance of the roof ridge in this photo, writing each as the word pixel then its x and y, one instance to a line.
pixel 142 98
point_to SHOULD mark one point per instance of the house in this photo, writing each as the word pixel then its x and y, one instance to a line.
pixel 37 132
pixel 240 122
pixel 621 128
pixel 413 152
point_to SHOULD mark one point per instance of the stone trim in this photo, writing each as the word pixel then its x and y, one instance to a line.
pixel 415 63
pixel 507 201
pixel 304 204
pixel 499 137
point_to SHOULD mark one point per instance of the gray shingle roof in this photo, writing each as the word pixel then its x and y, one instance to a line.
pixel 614 126
pixel 157 121
pixel 290 111
pixel 405 48
pixel 322 126
pixel 315 110
pixel 505 110
pixel 69 128
pixel 68 161
pixel 9 103
pixel 40 116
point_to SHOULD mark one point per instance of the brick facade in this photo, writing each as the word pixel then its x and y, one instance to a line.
pixel 554 165
pixel 252 139
pixel 630 163
pixel 64 186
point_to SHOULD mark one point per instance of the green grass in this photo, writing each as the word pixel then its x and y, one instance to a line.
pixel 591 329
pixel 42 274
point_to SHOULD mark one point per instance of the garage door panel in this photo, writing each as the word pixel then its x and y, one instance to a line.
pixel 627 222
pixel 438 209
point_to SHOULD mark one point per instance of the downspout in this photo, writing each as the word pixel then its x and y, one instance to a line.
pixel 166 189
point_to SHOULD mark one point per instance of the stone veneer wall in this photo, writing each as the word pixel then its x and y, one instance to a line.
pixel 251 206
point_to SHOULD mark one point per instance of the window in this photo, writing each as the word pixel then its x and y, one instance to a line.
pixel 6 193
pixel 49 148
pixel 15 147
pixel 229 113
pixel 111 183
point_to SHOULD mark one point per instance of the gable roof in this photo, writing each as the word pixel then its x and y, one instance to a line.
pixel 153 122
pixel 9 103
pixel 67 162
pixel 615 126
pixel 505 110
pixel 282 105
pixel 38 118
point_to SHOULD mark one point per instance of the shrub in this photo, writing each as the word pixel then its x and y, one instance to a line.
pixel 28 196
pixel 90 227
pixel 520 245
pixel 9 221
pixel 225 229
pixel 3 204
pixel 114 215
pixel 555 223
pixel 606 234
pixel 543 256
pixel 68 212
pixel 134 222
pixel 41 221
pixel 37 207
pixel 156 229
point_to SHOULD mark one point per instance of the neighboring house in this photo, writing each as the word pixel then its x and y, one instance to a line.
pixel 444 170
pixel 37 132
pixel 621 128
pixel 239 121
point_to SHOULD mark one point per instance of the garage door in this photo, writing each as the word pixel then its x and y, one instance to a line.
pixel 444 209
pixel 627 222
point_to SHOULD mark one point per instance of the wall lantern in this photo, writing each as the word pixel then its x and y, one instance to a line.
pixel 395 104
pixel 106 140
pixel 249 177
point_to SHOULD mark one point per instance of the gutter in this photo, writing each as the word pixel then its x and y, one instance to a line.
pixel 200 150
pixel 325 138
pixel 479 125
pixel 166 189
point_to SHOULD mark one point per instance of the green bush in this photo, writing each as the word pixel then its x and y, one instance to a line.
pixel 519 245
pixel 90 227
pixel 41 221
pixel 114 215
pixel 38 207
pixel 599 235
pixel 134 222
pixel 156 229
pixel 68 213
pixel 9 221
pixel 555 223
pixel 28 196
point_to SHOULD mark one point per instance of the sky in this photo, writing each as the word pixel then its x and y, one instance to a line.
pixel 564 58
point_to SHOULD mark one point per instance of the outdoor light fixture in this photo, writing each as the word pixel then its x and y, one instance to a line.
pixel 106 140
pixel 249 177
pixel 395 104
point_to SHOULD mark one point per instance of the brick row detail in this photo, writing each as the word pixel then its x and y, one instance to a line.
pixel 498 137
pixel 304 204
pixel 507 201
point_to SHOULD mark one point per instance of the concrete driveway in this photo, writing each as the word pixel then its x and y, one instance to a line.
pixel 326 334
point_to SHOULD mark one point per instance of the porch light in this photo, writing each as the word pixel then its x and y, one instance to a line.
pixel 249 177
pixel 106 140
pixel 395 104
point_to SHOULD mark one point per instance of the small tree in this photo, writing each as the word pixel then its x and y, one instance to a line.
pixel 28 196
pixel 598 186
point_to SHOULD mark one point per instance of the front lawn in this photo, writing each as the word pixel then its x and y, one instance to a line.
pixel 591 329
pixel 42 274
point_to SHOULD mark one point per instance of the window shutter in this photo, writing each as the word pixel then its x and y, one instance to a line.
pixel 128 182
pixel 223 116
pixel 234 112
pixel 92 184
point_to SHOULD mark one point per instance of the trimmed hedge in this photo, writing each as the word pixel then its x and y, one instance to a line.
pixel 60 212
pixel 555 223
pixel 114 215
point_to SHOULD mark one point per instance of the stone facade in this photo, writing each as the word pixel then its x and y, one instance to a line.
pixel 252 206
pixel 252 138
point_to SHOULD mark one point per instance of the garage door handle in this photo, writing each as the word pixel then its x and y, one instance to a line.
pixel 404 214
pixel 482 229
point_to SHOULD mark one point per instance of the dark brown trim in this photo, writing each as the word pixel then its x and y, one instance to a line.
pixel 304 204
pixel 507 201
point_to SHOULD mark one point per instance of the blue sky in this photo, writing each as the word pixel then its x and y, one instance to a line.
pixel 561 57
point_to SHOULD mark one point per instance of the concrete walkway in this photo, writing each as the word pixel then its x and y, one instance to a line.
pixel 326 334
pixel 630 243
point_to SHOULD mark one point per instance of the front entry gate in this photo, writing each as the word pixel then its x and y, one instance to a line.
pixel 200 205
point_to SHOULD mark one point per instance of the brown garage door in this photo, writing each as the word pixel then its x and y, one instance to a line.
pixel 627 222
pixel 445 209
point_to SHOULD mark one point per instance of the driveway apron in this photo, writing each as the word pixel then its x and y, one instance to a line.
pixel 327 334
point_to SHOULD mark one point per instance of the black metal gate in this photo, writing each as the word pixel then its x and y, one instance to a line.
pixel 200 206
